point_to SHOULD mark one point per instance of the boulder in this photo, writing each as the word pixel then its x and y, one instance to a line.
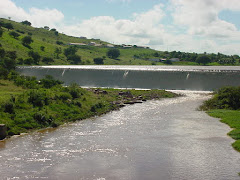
pixel 3 131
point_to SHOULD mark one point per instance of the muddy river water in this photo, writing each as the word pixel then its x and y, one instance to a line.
pixel 157 140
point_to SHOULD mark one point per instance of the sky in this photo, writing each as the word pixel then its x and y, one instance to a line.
pixel 210 26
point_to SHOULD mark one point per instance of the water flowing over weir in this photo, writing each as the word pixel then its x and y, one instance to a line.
pixel 147 77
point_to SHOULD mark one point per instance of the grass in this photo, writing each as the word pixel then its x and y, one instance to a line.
pixel 232 118
pixel 8 89
pixel 47 39
pixel 23 110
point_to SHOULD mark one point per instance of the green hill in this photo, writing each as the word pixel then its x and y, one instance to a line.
pixel 46 41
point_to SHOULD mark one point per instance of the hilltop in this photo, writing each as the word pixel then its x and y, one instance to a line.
pixel 49 46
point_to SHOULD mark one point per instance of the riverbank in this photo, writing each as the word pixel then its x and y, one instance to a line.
pixel 225 104
pixel 231 118
pixel 41 106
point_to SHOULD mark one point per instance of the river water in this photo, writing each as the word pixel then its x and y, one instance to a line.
pixel 157 140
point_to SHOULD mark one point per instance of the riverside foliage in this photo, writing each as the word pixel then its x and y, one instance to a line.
pixel 225 104
pixel 28 103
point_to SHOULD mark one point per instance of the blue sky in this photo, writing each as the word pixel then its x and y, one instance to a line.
pixel 184 25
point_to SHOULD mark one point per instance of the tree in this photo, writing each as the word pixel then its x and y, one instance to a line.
pixel 9 64
pixel 113 53
pixel 1 32
pixel 59 42
pixel 58 51
pixel 98 61
pixel 75 59
pixel 2 52
pixel 29 61
pixel 70 51
pixel 47 60
pixel 42 48
pixel 14 34
pixel 49 82
pixel 8 26
pixel 203 60
pixel 11 54
pixel 35 55
pixel 27 40
pixel 26 23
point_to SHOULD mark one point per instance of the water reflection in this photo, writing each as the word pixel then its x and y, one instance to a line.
pixel 166 139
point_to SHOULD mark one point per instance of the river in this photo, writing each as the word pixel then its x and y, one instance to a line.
pixel 165 139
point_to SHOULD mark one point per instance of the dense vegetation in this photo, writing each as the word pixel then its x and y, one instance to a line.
pixel 27 103
pixel 225 104
pixel 53 47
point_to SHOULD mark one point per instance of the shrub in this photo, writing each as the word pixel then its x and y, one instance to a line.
pixel 70 51
pixel 37 98
pixel 64 96
pixel 113 53
pixel 224 98
pixel 42 48
pixel 49 82
pixel 75 59
pixel 9 107
pixel 29 61
pixel 59 42
pixel 14 34
pixel 98 61
pixel 47 60
pixel 74 91
pixel 35 55
pixel 27 40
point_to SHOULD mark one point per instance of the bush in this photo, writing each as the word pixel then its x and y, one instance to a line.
pixel 64 96
pixel 98 61
pixel 70 51
pixel 49 82
pixel 35 55
pixel 9 107
pixel 29 61
pixel 37 98
pixel 47 60
pixel 59 42
pixel 224 98
pixel 74 91
pixel 113 53
pixel 14 34
pixel 1 32
pixel 42 48
pixel 27 40
pixel 75 59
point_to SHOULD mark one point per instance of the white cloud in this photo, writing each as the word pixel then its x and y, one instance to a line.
pixel 202 17
pixel 140 30
pixel 38 17
pixel 196 26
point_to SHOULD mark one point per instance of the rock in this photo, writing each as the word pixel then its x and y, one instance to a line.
pixel 3 131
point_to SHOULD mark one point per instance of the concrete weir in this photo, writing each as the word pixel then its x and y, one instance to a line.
pixel 3 131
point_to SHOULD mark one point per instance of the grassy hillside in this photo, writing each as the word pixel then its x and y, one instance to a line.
pixel 47 39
